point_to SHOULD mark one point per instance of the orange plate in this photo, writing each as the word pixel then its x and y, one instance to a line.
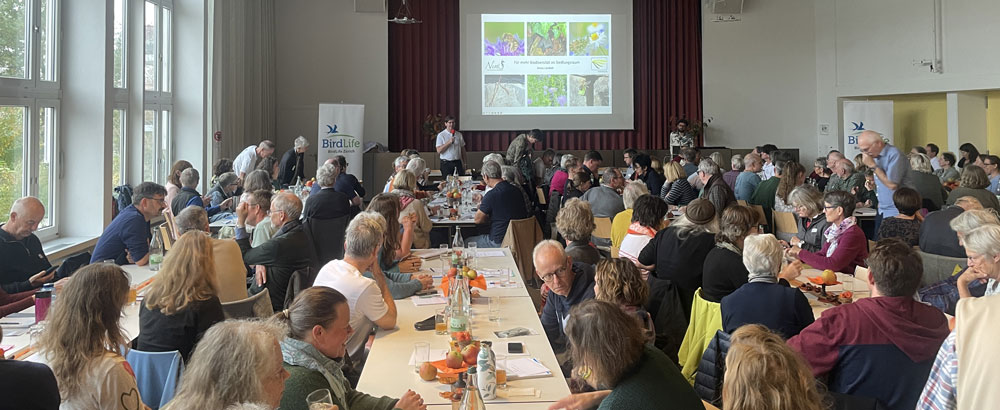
pixel 819 281
pixel 439 364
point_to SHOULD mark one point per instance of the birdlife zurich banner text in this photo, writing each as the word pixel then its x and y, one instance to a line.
pixel 341 132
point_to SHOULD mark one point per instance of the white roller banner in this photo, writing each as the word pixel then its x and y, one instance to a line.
pixel 341 132
pixel 865 115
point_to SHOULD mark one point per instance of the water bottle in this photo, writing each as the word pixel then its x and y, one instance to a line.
pixel 155 252
pixel 472 400
pixel 486 371
pixel 43 299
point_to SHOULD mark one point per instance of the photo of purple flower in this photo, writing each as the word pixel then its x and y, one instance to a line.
pixel 503 39
pixel 547 91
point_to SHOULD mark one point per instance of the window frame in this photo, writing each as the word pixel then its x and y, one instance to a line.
pixel 159 100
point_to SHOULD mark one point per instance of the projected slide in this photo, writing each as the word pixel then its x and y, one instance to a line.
pixel 539 64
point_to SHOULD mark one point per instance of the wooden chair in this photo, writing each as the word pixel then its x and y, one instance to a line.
pixel 602 231
pixel 759 210
pixel 168 218
pixel 541 195
pixel 784 225
pixel 168 242
pixel 742 202
pixel 614 251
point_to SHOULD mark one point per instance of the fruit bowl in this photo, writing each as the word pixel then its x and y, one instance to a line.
pixel 819 281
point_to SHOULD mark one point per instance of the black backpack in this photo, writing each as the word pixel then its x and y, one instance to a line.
pixel 122 197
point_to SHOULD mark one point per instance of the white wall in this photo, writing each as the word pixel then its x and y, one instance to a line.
pixel 328 53
pixel 757 71
pixel 760 76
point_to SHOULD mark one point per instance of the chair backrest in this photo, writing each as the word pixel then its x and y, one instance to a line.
pixel 785 222
pixel 300 280
pixel 614 251
pixel 258 305
pixel 168 242
pixel 742 202
pixel 603 228
pixel 168 218
pixel 541 195
pixel 156 374
pixel 761 217
pixel 938 268
pixel 521 237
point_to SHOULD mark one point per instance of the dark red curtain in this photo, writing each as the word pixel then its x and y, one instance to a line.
pixel 424 78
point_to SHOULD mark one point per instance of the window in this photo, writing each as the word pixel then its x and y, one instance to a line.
pixel 119 129
pixel 157 98
pixel 120 39
pixel 29 105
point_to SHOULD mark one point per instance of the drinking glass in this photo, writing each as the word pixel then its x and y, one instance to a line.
pixel 445 259
pixel 501 363
pixel 320 400
pixel 421 354
pixel 472 248
pixel 495 308
pixel 133 293
pixel 441 322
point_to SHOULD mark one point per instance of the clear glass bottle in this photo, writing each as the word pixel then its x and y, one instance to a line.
pixel 458 306
pixel 471 399
pixel 156 251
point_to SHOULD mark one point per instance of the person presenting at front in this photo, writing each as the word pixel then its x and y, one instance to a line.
pixel 188 195
pixel 286 252
pixel 609 352
pixel 450 146
pixel 569 283
pixel 764 299
pixel 892 171
pixel 519 154
pixel 292 168
pixel 882 346
pixel 502 204
pixel 84 342
pixel 845 246
pixel 24 261
pixel 247 160
pixel 126 239
pixel 369 300
pixel 183 301
pixel 681 137
pixel 318 325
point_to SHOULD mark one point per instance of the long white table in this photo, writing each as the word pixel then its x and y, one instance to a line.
pixel 857 284
pixel 138 276
pixel 388 372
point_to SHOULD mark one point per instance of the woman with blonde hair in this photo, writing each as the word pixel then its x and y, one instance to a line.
pixel 237 362
pixel 762 372
pixel 677 191
pixel 609 352
pixel 83 341
pixel 183 301
pixel 575 222
pixel 404 185
pixel 619 225
pixel 318 326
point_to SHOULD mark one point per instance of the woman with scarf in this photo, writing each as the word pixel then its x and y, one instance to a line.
pixel 318 326
pixel 723 269
pixel 764 299
pixel 845 246
pixel 647 219
pixel 404 185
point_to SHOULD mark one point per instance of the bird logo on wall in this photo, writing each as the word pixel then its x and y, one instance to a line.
pixel 331 130
pixel 858 126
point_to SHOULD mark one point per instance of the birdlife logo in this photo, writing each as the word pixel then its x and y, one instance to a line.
pixel 856 129
pixel 337 140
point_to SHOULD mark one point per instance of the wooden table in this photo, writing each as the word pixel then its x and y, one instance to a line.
pixel 388 372
pixel 139 276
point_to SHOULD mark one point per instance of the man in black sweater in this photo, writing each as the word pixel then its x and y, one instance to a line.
pixel 24 261
pixel 286 252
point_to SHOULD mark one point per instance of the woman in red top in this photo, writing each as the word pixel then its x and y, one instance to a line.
pixel 845 246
